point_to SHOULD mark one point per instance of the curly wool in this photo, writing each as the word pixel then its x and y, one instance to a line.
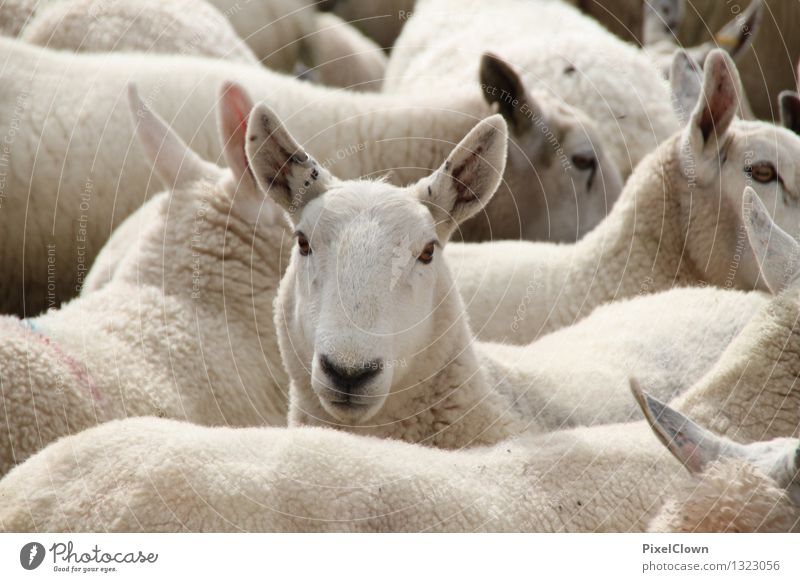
pixel 730 496
pixel 158 475
pixel 192 27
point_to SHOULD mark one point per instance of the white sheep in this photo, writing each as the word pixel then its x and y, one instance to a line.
pixel 767 69
pixel 729 496
pixel 674 226
pixel 343 57
pixel 662 19
pixel 338 54
pixel 273 29
pixel 571 57
pixel 192 27
pixel 158 475
pixel 83 146
pixel 677 223
pixel 760 367
pixel 176 333
pixel 734 488
pixel 375 339
pixel 284 33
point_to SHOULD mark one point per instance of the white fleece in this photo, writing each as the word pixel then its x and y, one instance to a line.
pixel 190 27
pixel 175 334
pixel 82 141
pixel 570 57
pixel 156 475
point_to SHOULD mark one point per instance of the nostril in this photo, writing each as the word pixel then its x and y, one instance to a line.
pixel 348 378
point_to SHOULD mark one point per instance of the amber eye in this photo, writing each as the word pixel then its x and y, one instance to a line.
pixel 302 244
pixel 584 162
pixel 426 256
pixel 763 172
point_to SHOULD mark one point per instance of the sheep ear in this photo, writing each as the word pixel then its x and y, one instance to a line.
pixel 777 252
pixel 660 21
pixel 738 35
pixel 280 165
pixel 469 177
pixel 691 444
pixel 686 81
pixel 232 115
pixel 717 105
pixel 502 86
pixel 790 110
pixel 173 160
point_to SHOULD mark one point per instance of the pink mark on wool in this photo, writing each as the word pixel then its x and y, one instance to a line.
pixel 76 369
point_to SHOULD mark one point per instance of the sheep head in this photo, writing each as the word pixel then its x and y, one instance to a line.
pixel 365 278
pixel 558 172
pixel 719 155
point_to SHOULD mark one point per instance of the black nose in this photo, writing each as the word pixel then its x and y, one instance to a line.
pixel 347 379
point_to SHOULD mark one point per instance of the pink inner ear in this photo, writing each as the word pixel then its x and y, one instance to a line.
pixel 237 104
pixel 237 107
pixel 722 99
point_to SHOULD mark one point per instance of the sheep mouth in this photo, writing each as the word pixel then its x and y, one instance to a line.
pixel 349 404
pixel 351 410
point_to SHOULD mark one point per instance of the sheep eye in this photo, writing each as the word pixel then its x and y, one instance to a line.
pixel 584 162
pixel 303 245
pixel 426 256
pixel 762 172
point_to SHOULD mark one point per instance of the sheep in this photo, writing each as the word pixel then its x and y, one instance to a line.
pixel 731 496
pixel 159 475
pixel 149 342
pixel 178 26
pixel 677 223
pixel 730 491
pixel 343 57
pixel 339 54
pixel 670 228
pixel 83 146
pixel 760 367
pixel 663 18
pixel 767 69
pixel 612 83
pixel 381 20
pixel 272 29
pixel 559 398
pixel 374 337
pixel 736 37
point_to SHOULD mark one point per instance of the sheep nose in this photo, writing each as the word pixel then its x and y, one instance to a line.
pixel 348 379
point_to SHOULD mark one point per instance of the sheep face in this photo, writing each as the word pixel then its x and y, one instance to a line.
pixel 357 308
pixel 365 276
pixel 721 155
pixel 561 179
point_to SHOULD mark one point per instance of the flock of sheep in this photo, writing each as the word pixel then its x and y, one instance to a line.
pixel 470 266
